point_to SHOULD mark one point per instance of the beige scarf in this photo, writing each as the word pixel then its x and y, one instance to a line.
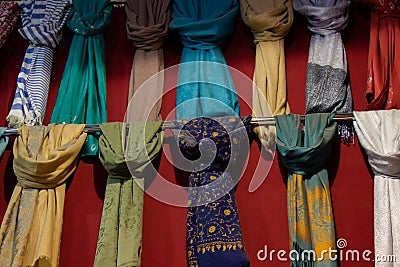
pixel 44 157
pixel 269 21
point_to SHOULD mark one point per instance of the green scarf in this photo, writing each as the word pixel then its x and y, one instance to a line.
pixel 3 140
pixel 120 234
pixel 82 94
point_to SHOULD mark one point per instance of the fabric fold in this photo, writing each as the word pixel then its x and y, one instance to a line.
pixel 269 22
pixel 205 86
pixel 147 27
pixel 42 23
pixel 327 81
pixel 311 224
pixel 125 156
pixel 44 157
pixel 383 151
pixel 9 13
pixel 82 94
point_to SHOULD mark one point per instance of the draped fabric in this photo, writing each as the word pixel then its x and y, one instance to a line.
pixel 327 82
pixel 213 233
pixel 82 94
pixel 120 234
pixel 205 86
pixel 147 27
pixel 269 21
pixel 42 22
pixel 9 12
pixel 311 224
pixel 44 157
pixel 3 140
pixel 383 81
pixel 379 135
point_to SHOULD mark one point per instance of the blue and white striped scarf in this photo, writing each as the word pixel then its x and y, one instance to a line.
pixel 42 22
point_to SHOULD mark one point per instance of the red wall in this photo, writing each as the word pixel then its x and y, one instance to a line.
pixel 263 213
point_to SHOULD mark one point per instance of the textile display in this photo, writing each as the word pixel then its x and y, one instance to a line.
pixel 42 22
pixel 205 86
pixel 213 233
pixel 147 27
pixel 44 158
pixel 82 94
pixel 383 81
pixel 327 81
pixel 269 22
pixel 9 13
pixel 383 151
pixel 3 140
pixel 120 235
pixel 311 224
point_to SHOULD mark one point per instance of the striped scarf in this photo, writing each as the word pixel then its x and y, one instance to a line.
pixel 8 18
pixel 41 26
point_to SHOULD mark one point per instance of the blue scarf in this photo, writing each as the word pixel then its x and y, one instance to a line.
pixel 205 87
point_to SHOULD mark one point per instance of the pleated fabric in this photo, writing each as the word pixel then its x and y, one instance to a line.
pixel 205 86
pixel 9 14
pixel 82 94
pixel 44 157
pixel 269 22
pixel 213 233
pixel 379 135
pixel 383 81
pixel 147 27
pixel 3 141
pixel 125 157
pixel 311 224
pixel 42 22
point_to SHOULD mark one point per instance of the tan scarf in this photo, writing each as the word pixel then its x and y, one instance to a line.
pixel 147 27
pixel 44 157
pixel 269 21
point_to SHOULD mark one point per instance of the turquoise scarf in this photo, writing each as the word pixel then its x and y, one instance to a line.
pixel 205 87
pixel 82 94
pixel 3 140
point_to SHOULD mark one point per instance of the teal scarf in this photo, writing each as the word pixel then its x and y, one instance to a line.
pixel 311 225
pixel 82 94
pixel 3 140
pixel 205 87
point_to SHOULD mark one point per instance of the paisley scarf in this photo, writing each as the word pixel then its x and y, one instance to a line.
pixel 42 22
pixel 82 94
pixel 9 12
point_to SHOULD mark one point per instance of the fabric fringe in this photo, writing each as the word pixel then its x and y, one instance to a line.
pixel 345 131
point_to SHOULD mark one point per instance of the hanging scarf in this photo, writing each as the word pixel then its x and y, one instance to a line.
pixel 327 82
pixel 3 140
pixel 269 21
pixel 383 83
pixel 44 157
pixel 379 134
pixel 311 225
pixel 82 94
pixel 42 22
pixel 213 233
pixel 9 12
pixel 147 27
pixel 120 235
pixel 205 87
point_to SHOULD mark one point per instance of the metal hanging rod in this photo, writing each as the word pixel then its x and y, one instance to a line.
pixel 169 124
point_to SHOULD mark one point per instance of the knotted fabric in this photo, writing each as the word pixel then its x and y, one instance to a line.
pixel 311 224
pixel 327 81
pixel 269 21
pixel 213 233
pixel 42 22
pixel 205 86
pixel 3 140
pixel 379 135
pixel 383 81
pixel 120 235
pixel 9 12
pixel 147 27
pixel 44 157
pixel 82 94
